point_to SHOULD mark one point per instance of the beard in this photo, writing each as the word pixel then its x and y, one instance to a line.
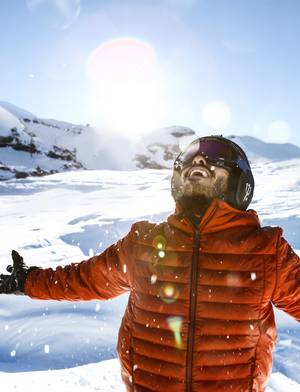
pixel 208 190
pixel 195 193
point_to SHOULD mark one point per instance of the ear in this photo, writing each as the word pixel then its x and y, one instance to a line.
pixel 244 191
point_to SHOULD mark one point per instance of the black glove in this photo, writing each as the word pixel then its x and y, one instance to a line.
pixel 14 283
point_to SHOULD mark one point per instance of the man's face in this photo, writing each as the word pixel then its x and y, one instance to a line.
pixel 200 178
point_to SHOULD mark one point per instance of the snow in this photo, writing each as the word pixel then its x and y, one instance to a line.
pixel 7 122
pixel 101 377
pixel 16 111
pixel 280 383
pixel 93 148
pixel 22 160
pixel 68 216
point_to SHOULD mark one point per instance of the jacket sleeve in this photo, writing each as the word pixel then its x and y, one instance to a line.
pixel 103 276
pixel 286 295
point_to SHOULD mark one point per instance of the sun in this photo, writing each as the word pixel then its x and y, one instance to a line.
pixel 126 85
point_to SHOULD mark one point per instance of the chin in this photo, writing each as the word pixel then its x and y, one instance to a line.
pixel 198 191
pixel 194 200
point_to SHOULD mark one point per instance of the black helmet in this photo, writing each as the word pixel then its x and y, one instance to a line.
pixel 221 152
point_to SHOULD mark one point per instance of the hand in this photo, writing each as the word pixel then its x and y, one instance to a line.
pixel 14 283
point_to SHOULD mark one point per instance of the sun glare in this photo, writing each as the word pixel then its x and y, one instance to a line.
pixel 217 115
pixel 126 86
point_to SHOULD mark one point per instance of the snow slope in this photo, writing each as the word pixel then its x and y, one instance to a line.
pixel 8 121
pixel 30 146
pixel 70 216
pixel 16 111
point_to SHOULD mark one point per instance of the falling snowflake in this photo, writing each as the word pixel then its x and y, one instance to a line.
pixel 153 279
pixel 91 252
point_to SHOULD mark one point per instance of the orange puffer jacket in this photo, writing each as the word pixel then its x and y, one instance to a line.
pixel 200 315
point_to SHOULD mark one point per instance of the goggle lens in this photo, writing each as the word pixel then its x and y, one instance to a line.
pixel 213 150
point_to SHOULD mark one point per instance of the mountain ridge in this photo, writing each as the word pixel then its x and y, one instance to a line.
pixel 31 146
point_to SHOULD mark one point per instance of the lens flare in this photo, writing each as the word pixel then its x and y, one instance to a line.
pixel 175 324
pixel 126 85
pixel 159 242
pixel 169 293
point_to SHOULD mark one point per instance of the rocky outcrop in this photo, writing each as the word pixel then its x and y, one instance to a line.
pixel 18 143
pixel 161 151
pixel 25 141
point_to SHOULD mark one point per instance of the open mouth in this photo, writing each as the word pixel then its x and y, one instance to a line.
pixel 198 172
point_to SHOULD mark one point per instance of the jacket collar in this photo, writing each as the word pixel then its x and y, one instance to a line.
pixel 219 216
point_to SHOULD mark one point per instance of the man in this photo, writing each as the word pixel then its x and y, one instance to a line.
pixel 202 283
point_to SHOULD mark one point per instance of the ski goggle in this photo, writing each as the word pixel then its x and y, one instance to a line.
pixel 215 151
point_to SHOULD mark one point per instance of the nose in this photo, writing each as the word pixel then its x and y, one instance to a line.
pixel 199 160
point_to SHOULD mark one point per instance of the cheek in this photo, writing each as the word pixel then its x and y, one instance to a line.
pixel 222 173
pixel 182 175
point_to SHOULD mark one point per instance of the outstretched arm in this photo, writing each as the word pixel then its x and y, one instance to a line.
pixel 103 276
pixel 286 295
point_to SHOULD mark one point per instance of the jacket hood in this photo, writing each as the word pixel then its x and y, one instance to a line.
pixel 219 216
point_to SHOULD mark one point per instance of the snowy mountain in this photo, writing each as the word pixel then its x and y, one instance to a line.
pixel 67 217
pixel 30 146
pixel 257 149
pixel 159 149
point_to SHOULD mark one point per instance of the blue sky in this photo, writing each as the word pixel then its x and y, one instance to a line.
pixel 226 66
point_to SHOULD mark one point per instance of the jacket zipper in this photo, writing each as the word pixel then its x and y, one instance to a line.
pixel 252 374
pixel 192 311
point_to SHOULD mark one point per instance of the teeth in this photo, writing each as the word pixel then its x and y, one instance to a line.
pixel 197 172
